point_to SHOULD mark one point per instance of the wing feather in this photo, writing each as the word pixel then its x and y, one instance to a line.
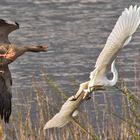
pixel 7 27
pixel 122 32
pixel 120 36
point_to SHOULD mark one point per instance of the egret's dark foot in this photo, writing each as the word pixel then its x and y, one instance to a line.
pixel 88 97
pixel 94 88
pixel 98 87
pixel 74 98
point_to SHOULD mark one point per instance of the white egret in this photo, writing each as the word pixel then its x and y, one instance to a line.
pixel 120 36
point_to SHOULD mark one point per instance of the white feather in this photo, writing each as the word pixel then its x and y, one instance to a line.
pixel 120 36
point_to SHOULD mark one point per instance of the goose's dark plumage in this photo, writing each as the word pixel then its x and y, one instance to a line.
pixel 5 93
pixel 12 52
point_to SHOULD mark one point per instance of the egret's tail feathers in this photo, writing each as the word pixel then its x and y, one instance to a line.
pixel 59 120
pixel 126 25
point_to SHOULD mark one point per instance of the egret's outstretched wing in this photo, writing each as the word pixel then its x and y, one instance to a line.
pixel 6 27
pixel 119 37
pixel 5 94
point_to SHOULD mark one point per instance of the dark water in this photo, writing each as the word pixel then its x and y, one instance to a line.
pixel 75 32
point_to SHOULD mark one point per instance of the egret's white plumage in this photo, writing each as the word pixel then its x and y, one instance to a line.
pixel 120 36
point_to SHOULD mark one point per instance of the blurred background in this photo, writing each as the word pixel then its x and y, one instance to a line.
pixel 75 32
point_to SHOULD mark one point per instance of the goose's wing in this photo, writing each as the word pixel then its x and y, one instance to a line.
pixel 7 27
pixel 5 94
pixel 120 36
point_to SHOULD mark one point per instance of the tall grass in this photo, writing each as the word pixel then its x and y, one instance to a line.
pixel 94 122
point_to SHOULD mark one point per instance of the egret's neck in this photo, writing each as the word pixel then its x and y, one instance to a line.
pixel 115 74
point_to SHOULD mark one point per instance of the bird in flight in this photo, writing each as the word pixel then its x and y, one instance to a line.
pixel 8 53
pixel 120 36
